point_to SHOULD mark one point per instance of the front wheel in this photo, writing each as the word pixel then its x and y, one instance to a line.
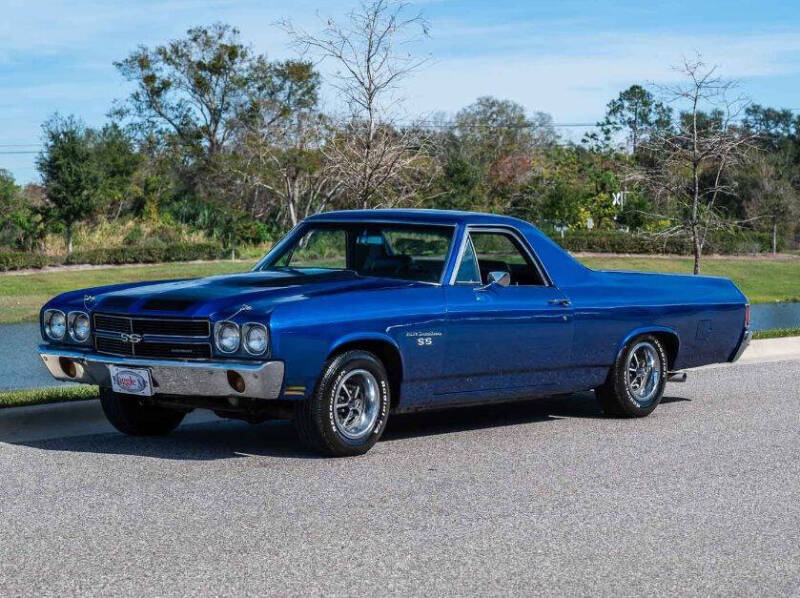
pixel 129 415
pixel 636 383
pixel 348 411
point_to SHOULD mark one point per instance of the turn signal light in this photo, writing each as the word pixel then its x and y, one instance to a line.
pixel 236 381
pixel 747 316
pixel 68 367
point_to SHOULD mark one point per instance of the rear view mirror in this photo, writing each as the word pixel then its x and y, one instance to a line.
pixel 366 239
pixel 496 279
pixel 502 279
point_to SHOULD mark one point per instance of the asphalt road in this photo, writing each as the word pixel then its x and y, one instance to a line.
pixel 540 498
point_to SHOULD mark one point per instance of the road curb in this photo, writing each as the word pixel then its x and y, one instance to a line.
pixel 772 349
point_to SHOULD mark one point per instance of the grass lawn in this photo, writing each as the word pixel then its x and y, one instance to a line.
pixel 21 295
pixel 20 398
pixel 776 333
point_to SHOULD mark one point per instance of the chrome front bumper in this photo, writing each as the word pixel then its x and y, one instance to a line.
pixel 189 378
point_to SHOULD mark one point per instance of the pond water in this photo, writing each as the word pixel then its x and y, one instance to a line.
pixel 774 315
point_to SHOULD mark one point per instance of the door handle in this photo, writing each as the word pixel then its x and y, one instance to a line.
pixel 562 302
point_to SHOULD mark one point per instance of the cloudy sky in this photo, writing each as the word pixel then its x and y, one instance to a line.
pixel 565 57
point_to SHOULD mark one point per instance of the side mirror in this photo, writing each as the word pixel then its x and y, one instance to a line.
pixel 496 279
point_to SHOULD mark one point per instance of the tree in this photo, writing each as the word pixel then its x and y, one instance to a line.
pixel 117 160
pixel 773 127
pixel 278 156
pixel 378 161
pixel 634 110
pixel 691 163
pixel 772 197
pixel 198 91
pixel 69 174
pixel 491 129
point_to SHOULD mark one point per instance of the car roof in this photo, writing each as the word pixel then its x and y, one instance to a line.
pixel 417 216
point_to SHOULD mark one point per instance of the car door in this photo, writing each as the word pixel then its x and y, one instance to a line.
pixel 504 338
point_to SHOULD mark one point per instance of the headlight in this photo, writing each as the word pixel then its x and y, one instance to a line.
pixel 79 327
pixel 256 338
pixel 227 336
pixel 55 324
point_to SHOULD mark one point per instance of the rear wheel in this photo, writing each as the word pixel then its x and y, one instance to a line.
pixel 348 411
pixel 635 384
pixel 129 415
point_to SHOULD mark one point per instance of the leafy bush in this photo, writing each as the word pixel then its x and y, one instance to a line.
pixel 15 260
pixel 149 254
pixel 721 242
pixel 132 254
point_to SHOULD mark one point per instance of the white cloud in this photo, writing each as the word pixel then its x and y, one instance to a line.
pixel 576 85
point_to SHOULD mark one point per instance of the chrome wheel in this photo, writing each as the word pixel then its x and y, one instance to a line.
pixel 356 404
pixel 643 373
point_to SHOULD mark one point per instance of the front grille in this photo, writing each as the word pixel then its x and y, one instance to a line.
pixel 173 350
pixel 111 323
pixel 111 328
pixel 153 326
pixel 112 346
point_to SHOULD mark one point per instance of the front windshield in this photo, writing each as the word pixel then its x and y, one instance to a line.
pixel 383 250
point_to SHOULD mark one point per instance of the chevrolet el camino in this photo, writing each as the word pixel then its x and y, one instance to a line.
pixel 356 315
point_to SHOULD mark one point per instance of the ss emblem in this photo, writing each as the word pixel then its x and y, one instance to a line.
pixel 130 338
pixel 424 341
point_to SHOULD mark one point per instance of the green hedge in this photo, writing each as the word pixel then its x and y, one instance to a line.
pixel 149 254
pixel 726 243
pixel 14 260
pixel 132 254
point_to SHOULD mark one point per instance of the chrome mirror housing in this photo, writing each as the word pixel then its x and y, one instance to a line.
pixel 502 279
pixel 496 279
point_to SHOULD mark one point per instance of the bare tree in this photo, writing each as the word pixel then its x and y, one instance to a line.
pixel 278 156
pixel 284 168
pixel 377 161
pixel 690 165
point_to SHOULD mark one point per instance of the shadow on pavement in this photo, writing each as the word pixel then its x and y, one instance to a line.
pixel 226 439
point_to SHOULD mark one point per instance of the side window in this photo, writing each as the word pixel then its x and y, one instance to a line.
pixel 500 252
pixel 468 269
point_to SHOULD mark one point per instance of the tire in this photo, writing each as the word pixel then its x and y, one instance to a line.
pixel 130 416
pixel 333 425
pixel 621 396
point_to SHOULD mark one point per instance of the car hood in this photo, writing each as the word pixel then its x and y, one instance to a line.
pixel 219 297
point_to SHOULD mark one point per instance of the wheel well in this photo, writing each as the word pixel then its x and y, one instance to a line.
pixel 670 342
pixel 389 356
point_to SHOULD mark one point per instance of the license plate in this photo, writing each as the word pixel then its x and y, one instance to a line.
pixel 131 381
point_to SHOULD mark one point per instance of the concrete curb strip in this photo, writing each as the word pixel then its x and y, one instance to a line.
pixel 773 349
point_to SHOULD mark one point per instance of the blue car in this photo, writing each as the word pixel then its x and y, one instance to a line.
pixel 355 315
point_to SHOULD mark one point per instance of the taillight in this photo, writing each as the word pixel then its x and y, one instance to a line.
pixel 747 316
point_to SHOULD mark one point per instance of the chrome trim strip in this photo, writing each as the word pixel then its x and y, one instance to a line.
pixel 263 380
